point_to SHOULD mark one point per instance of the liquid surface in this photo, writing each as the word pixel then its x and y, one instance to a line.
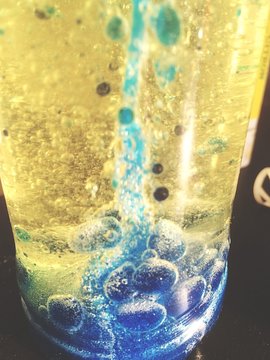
pixel 122 124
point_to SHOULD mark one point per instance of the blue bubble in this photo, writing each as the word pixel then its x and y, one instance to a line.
pixel 22 234
pixel 167 241
pixel 168 26
pixel 126 116
pixel 166 74
pixel 99 233
pixel 141 315
pixel 118 286
pixel 186 296
pixel 115 28
pixel 65 312
pixel 155 275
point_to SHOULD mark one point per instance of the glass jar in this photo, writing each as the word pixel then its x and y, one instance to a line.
pixel 122 126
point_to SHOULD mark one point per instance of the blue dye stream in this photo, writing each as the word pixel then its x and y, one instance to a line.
pixel 129 192
pixel 153 300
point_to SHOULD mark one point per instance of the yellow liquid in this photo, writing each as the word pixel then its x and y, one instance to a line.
pixel 59 128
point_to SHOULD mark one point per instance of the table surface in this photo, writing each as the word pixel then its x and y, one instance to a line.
pixel 243 329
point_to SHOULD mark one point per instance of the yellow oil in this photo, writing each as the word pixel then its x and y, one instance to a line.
pixel 61 77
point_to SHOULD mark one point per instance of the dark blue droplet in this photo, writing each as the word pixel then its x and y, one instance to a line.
pixel 141 315
pixel 126 116
pixel 65 312
pixel 157 169
pixel 168 26
pixel 155 275
pixel 167 241
pixel 186 296
pixel 119 284
pixel 161 193
pixel 103 89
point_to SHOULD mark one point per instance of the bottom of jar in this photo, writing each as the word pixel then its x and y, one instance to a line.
pixel 175 339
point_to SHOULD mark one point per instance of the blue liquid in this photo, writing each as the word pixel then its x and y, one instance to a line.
pixel 158 314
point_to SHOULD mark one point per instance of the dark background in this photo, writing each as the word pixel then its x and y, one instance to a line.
pixel 243 330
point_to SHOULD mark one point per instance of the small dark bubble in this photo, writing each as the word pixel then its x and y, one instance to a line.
pixel 157 169
pixel 59 111
pixel 199 48
pixel 103 89
pixel 179 130
pixel 5 132
pixel 113 66
pixel 161 193
pixel 40 14
pixel 78 21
